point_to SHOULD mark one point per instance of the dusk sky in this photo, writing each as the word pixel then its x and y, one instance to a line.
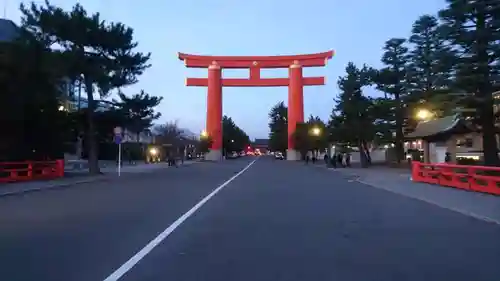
pixel 356 30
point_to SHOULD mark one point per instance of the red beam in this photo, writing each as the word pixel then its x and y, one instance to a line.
pixel 193 63
pixel 262 82
pixel 309 60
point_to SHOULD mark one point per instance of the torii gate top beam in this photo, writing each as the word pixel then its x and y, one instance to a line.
pixel 308 60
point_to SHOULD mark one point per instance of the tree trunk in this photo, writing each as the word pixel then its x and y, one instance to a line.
pixel 399 130
pixel 362 156
pixel 367 152
pixel 486 114
pixel 93 153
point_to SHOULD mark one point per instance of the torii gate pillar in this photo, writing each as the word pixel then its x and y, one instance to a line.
pixel 295 107
pixel 214 82
pixel 214 112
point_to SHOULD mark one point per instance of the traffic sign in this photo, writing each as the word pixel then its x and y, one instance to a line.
pixel 117 130
pixel 118 139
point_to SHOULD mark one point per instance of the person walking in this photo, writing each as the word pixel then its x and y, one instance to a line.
pixel 340 159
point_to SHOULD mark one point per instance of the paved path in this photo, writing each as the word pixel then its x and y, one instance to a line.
pixel 478 205
pixel 276 220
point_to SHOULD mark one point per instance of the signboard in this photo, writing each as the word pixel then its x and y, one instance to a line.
pixel 118 134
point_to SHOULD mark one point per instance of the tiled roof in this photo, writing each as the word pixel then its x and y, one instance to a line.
pixel 261 142
pixel 8 30
pixel 434 127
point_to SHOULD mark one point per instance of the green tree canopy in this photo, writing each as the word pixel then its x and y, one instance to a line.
pixel 233 137
pixel 99 53
pixel 352 119
pixel 472 29
pixel 318 133
pixel 431 63
pixel 393 79
pixel 139 110
pixel 278 127
pixel 33 127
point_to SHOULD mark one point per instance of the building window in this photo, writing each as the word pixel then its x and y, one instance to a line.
pixel 469 142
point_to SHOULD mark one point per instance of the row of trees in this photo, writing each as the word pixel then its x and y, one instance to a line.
pixel 53 47
pixel 312 135
pixel 451 61
pixel 233 137
pixel 449 65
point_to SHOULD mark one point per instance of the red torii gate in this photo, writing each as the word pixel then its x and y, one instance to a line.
pixel 215 82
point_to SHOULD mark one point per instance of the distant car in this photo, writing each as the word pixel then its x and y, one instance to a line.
pixel 279 156
pixel 232 155
pixel 243 153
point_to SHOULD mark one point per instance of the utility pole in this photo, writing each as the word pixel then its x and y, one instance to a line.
pixel 5 9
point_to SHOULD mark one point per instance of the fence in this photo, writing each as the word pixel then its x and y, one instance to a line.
pixel 31 170
pixel 472 178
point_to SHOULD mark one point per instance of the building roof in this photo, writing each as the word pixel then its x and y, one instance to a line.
pixel 8 30
pixel 439 126
pixel 261 142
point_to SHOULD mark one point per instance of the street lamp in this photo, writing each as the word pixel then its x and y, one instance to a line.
pixel 153 151
pixel 424 114
pixel 204 134
pixel 315 131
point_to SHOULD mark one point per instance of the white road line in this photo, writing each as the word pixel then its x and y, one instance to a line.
pixel 128 265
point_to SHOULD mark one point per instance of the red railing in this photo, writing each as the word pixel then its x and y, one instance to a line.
pixel 472 178
pixel 31 170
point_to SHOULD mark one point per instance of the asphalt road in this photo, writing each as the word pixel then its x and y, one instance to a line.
pixel 275 221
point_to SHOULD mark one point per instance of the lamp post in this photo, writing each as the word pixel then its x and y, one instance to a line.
pixel 204 134
pixel 315 131
pixel 423 114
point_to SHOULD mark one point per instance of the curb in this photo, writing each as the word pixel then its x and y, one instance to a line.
pixel 69 184
pixel 52 187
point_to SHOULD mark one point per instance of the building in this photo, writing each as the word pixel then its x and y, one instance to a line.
pixel 261 144
pixel 8 30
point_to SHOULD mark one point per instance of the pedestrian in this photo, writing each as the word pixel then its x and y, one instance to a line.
pixel 307 159
pixel 340 160
pixel 314 159
pixel 334 161
pixel 348 159
pixel 447 158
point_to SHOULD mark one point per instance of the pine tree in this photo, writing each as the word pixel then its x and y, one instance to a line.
pixel 318 134
pixel 352 111
pixel 431 63
pixel 100 53
pixel 278 127
pixel 139 110
pixel 473 28
pixel 233 137
pixel 393 80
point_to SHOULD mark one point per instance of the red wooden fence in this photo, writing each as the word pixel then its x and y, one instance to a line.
pixel 473 178
pixel 31 170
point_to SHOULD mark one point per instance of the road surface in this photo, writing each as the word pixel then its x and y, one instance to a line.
pixel 263 220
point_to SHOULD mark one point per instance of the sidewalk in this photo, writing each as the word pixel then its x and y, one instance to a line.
pixel 80 177
pixel 482 206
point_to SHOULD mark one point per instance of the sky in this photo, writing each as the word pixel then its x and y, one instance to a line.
pixel 355 29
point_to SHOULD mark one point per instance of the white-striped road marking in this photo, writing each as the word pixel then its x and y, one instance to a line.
pixel 128 265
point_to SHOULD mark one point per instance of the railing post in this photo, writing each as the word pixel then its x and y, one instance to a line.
pixel 60 168
pixel 30 170
pixel 414 170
